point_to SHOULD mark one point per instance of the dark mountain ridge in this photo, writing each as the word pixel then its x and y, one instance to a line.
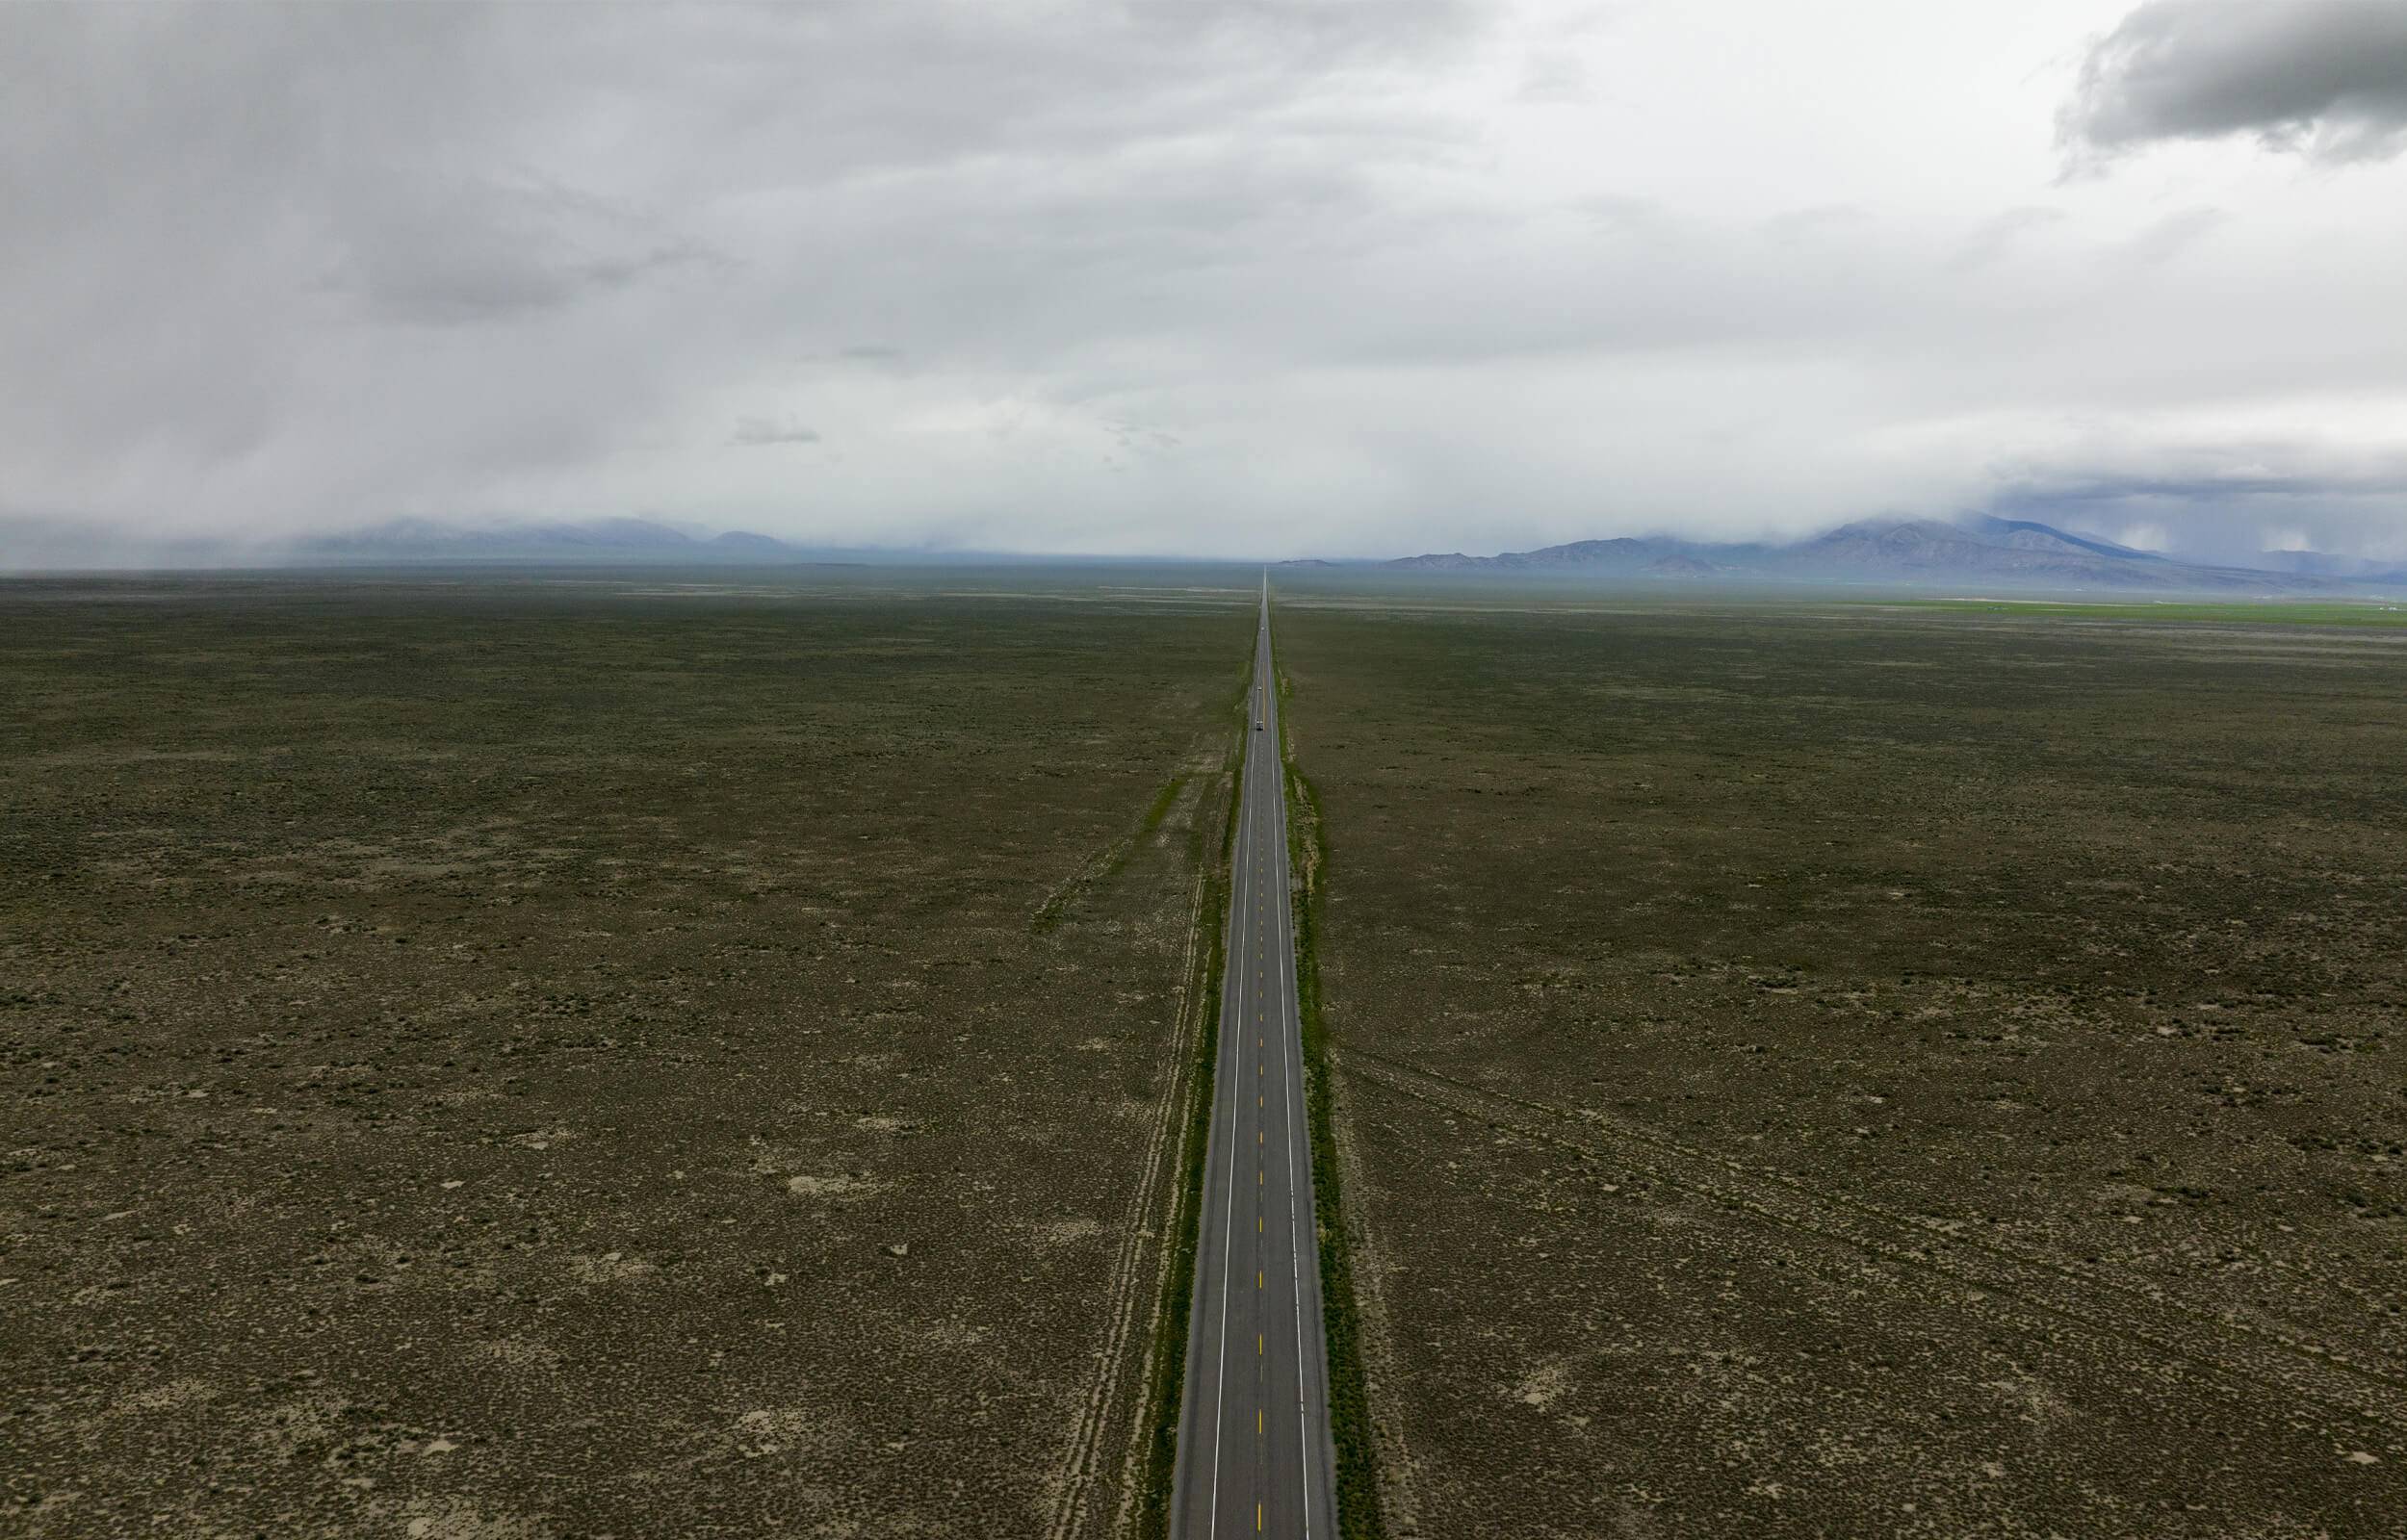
pixel 1985 550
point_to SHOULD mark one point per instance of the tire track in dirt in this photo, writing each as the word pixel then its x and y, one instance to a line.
pixel 1083 1462
pixel 2230 1349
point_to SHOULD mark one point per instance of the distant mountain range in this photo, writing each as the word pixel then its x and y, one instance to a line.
pixel 597 540
pixel 1976 551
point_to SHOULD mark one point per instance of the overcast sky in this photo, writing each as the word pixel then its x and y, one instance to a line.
pixel 1213 278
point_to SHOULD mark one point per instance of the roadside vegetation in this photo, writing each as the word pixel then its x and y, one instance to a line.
pixel 1359 1514
pixel 1212 847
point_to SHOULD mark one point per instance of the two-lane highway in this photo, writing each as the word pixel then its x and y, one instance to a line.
pixel 1255 1451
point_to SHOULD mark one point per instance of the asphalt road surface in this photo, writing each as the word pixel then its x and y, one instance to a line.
pixel 1255 1450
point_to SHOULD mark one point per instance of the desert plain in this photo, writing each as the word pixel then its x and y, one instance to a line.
pixel 1860 1068
pixel 594 1056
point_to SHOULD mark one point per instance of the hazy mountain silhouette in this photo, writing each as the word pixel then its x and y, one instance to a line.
pixel 1976 551
pixel 416 540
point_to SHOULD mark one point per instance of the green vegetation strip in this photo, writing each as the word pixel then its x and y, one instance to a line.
pixel 1358 1515
pixel 2263 612
pixel 1106 865
pixel 1166 1385
pixel 1160 809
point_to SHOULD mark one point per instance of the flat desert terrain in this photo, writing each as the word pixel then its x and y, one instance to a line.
pixel 1849 1070
pixel 561 1059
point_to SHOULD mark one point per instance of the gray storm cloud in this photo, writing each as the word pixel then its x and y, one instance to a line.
pixel 1236 278
pixel 762 432
pixel 2325 78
